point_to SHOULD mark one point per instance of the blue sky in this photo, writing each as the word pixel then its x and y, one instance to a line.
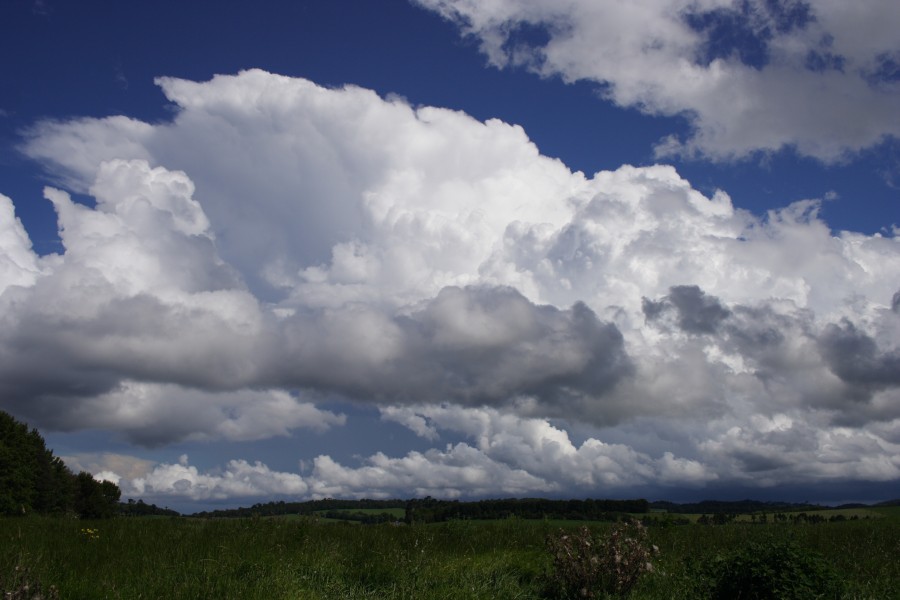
pixel 352 248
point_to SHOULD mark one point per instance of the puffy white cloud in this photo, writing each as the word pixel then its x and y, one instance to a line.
pixel 138 294
pixel 541 449
pixel 408 190
pixel 515 456
pixel 785 450
pixel 239 479
pixel 756 450
pixel 140 308
pixel 18 263
pixel 817 76
pixel 458 471
pixel 441 199
pixel 510 456
pixel 278 241
pixel 644 230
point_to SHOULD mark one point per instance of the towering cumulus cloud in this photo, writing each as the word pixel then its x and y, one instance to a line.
pixel 749 75
pixel 278 242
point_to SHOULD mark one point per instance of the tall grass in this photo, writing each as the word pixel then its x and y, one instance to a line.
pixel 279 558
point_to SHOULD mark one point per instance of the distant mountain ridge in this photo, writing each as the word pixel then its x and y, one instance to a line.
pixel 887 503
pixel 732 506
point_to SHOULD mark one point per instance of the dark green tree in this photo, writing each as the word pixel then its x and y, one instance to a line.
pixel 96 499
pixel 32 480
pixel 24 463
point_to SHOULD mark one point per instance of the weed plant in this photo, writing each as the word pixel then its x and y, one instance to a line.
pixel 588 566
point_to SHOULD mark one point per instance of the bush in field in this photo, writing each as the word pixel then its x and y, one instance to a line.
pixel 587 566
pixel 772 571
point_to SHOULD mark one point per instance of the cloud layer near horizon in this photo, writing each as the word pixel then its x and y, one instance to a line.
pixel 750 75
pixel 278 244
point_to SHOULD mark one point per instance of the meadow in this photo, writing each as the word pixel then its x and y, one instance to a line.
pixel 311 558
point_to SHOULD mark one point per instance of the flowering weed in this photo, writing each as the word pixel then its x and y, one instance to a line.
pixel 587 566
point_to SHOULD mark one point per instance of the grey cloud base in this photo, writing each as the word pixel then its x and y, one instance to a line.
pixel 469 346
pixel 470 287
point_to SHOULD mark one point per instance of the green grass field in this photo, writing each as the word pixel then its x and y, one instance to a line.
pixel 304 558
pixel 398 514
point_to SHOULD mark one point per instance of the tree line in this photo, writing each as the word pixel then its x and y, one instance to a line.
pixel 32 480
pixel 430 510
pixel 731 507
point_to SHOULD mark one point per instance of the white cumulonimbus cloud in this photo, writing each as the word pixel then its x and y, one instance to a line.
pixel 757 75
pixel 278 242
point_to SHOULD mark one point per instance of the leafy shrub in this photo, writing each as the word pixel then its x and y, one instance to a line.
pixel 586 566
pixel 769 571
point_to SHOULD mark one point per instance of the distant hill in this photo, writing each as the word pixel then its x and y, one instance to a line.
pixel 428 510
pixel 731 507
pixel 139 508
pixel 309 507
pixel 889 503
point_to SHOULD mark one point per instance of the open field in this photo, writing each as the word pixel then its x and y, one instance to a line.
pixel 301 558
pixel 352 515
pixel 399 513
